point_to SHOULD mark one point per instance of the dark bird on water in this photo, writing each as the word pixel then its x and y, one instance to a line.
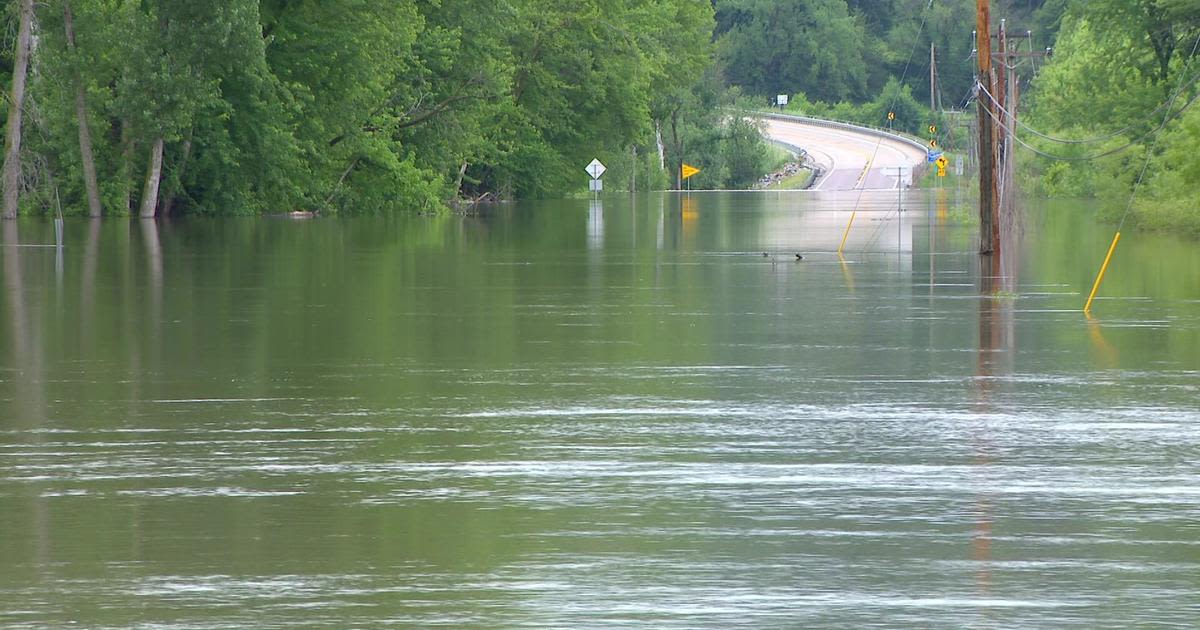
pixel 765 254
pixel 799 257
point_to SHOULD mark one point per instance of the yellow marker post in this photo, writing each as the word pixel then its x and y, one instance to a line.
pixel 861 178
pixel 846 234
pixel 1103 268
pixel 846 272
pixel 687 170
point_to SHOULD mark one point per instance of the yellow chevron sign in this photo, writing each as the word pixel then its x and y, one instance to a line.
pixel 688 170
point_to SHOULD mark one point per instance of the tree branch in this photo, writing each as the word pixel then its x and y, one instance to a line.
pixel 460 94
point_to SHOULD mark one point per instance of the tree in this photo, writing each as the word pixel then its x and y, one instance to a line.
pixel 12 137
pixel 811 46
pixel 248 106
pixel 1157 30
pixel 87 157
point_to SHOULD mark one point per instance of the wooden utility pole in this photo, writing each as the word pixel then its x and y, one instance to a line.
pixel 1000 140
pixel 987 150
pixel 933 78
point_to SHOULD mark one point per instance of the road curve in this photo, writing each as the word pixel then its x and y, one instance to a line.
pixel 844 155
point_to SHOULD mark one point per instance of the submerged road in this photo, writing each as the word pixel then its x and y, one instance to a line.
pixel 849 160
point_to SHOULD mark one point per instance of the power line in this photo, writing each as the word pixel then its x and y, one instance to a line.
pixel 891 107
pixel 1087 307
pixel 1095 156
pixel 1150 153
pixel 1167 104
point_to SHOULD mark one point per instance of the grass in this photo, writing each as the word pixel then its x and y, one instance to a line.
pixel 799 181
pixel 1177 216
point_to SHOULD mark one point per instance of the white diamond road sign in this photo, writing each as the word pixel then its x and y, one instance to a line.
pixel 596 169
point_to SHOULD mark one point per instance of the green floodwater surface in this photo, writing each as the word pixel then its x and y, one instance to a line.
pixel 584 414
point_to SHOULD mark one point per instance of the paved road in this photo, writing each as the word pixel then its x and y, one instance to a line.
pixel 844 155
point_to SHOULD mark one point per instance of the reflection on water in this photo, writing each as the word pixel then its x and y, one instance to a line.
pixel 583 414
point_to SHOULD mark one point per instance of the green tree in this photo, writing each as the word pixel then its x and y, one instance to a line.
pixel 16 103
pixel 781 47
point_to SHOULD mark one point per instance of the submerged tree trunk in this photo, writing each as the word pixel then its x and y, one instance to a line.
pixel 125 172
pixel 677 148
pixel 85 135
pixel 12 140
pixel 462 172
pixel 153 178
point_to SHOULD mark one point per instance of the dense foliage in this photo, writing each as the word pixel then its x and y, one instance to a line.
pixel 835 51
pixel 1122 68
pixel 250 106
pixel 247 106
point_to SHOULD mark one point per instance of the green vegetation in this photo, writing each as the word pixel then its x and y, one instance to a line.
pixel 911 116
pixel 260 106
pixel 1122 67
pixel 252 106
pixel 843 53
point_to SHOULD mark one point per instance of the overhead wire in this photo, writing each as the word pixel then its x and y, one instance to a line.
pixel 1171 115
pixel 1154 147
pixel 1120 132
pixel 1087 307
pixel 891 108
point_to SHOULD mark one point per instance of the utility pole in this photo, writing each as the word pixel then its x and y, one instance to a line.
pixel 1000 140
pixel 987 155
pixel 933 78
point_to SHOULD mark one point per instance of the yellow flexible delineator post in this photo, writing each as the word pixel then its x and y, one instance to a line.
pixel 861 177
pixel 846 272
pixel 846 234
pixel 1103 268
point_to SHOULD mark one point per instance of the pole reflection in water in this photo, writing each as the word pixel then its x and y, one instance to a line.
pixel 29 383
pixel 994 359
pixel 847 274
pixel 154 266
pixel 690 217
pixel 661 231
pixel 1106 355
pixel 87 284
pixel 148 341
pixel 595 230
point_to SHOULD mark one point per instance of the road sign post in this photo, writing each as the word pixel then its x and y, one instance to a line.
pixel 686 171
pixel 596 169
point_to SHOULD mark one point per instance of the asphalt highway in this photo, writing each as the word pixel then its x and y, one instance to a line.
pixel 849 160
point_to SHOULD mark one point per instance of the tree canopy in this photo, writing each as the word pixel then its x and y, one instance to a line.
pixel 1123 84
pixel 247 106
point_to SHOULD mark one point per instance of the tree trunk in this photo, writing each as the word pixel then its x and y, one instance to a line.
pixel 633 169
pixel 173 192
pixel 462 172
pixel 85 134
pixel 12 140
pixel 153 178
pixel 662 150
pixel 126 168
pixel 677 169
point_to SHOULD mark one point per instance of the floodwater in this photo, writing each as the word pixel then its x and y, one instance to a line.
pixel 581 414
